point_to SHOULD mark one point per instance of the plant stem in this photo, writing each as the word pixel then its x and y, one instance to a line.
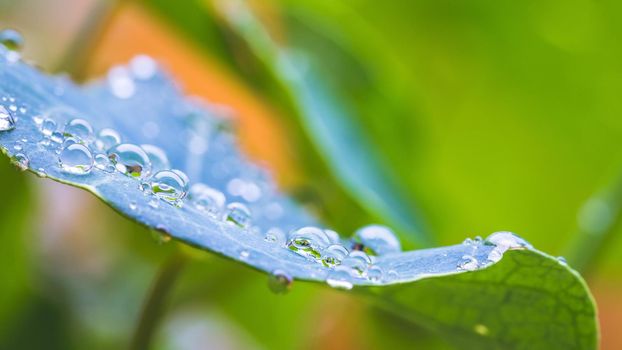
pixel 153 306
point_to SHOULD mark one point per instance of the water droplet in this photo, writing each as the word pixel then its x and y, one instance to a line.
pixel 377 240
pixel 374 274
pixel 238 214
pixel 339 278
pixel 308 241
pixel 170 186
pixel 106 139
pixel 17 147
pixel 48 126
pixel 207 199
pixel 133 205
pixel 357 261
pixel 57 137
pixel 244 254
pixel 102 162
pixel 76 159
pixel 158 158
pixel 154 203
pixel 21 161
pixel 333 236
pixel 562 260
pixel 468 263
pixel 334 255
pixel 275 235
pixel 143 67
pixel 79 128
pixel 504 241
pixel 7 122
pixel 161 235
pixel 280 282
pixel 11 39
pixel 130 160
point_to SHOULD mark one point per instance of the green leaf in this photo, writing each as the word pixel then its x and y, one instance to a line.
pixel 145 107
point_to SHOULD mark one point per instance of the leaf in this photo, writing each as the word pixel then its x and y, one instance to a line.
pixel 146 108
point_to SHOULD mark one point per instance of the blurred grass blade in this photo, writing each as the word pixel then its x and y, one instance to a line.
pixel 330 126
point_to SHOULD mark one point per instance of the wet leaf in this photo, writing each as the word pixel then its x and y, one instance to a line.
pixel 468 292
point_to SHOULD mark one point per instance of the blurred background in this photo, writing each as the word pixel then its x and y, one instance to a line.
pixel 465 117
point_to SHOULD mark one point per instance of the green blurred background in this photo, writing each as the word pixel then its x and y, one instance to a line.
pixel 466 117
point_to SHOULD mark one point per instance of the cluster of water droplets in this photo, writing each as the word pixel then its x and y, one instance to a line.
pixel 501 242
pixel 354 259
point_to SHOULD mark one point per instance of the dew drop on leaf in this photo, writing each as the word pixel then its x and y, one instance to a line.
pixel 168 185
pixel 275 235
pixel 157 157
pixel 206 199
pixel 238 214
pixel 280 282
pixel 130 160
pixel 11 39
pixel 76 159
pixel 106 139
pixel 21 161
pixel 79 128
pixel 339 278
pixel 377 239
pixel 7 121
pixel 334 255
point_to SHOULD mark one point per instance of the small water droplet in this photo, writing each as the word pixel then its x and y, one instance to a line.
pixel 11 39
pixel 334 255
pixel 468 263
pixel 80 129
pixel 48 126
pixel 76 159
pixel 374 274
pixel 377 240
pixel 130 160
pixel 170 186
pixel 7 121
pixel 57 137
pixel 133 206
pixel 244 254
pixel 238 214
pixel 157 156
pixel 339 278
pixel 357 261
pixel 102 162
pixel 207 199
pixel 160 235
pixel 154 203
pixel 562 260
pixel 308 241
pixel 275 235
pixel 17 147
pixel 106 139
pixel 21 161
pixel 280 282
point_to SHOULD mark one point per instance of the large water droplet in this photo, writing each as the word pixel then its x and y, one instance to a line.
pixel 334 255
pixel 238 214
pixel 308 241
pixel 80 129
pixel 76 159
pixel 11 39
pixel 7 122
pixel 377 240
pixel 171 186
pixel 280 282
pixel 339 278
pixel 157 156
pixel 504 241
pixel 107 138
pixel 102 162
pixel 130 160
pixel 207 199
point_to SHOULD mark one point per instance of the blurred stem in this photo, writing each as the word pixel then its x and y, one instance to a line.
pixel 93 28
pixel 153 306
pixel 599 219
